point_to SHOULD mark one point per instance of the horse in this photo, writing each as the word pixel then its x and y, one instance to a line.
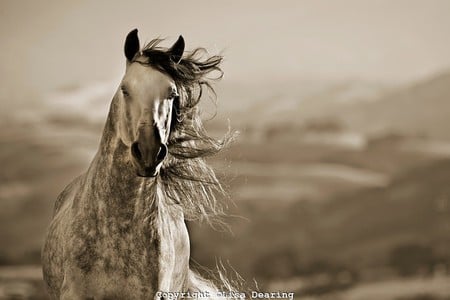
pixel 118 230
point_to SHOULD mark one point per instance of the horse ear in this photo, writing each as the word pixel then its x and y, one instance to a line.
pixel 176 52
pixel 131 44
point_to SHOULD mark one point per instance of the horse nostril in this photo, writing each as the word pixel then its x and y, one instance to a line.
pixel 135 151
pixel 162 153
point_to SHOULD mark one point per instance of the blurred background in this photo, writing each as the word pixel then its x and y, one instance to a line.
pixel 339 179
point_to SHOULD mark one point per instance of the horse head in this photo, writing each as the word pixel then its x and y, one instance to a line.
pixel 146 96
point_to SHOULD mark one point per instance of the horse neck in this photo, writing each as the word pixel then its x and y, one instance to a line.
pixel 110 178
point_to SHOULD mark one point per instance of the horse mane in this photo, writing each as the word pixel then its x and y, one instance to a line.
pixel 186 178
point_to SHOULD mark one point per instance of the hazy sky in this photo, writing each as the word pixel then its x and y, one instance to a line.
pixel 46 44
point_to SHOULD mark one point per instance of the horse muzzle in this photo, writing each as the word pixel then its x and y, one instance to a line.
pixel 148 159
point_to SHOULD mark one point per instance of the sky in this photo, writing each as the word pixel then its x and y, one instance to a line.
pixel 53 44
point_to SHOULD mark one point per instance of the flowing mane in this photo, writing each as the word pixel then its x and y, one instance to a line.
pixel 185 176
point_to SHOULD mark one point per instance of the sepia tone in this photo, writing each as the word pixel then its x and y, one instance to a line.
pixel 337 174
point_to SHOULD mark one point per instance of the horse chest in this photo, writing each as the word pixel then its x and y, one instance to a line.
pixel 151 254
pixel 113 246
pixel 112 266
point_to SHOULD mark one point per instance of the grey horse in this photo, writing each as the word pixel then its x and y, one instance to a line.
pixel 118 230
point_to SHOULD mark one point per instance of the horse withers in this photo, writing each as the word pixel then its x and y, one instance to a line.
pixel 118 230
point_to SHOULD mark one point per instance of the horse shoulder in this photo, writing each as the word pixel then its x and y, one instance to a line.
pixel 65 194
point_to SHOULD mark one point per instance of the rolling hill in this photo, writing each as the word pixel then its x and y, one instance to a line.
pixel 419 109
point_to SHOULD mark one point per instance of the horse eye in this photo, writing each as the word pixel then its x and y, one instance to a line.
pixel 125 92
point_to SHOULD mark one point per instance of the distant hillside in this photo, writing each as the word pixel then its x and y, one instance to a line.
pixel 420 109
pixel 414 208
pixel 302 101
